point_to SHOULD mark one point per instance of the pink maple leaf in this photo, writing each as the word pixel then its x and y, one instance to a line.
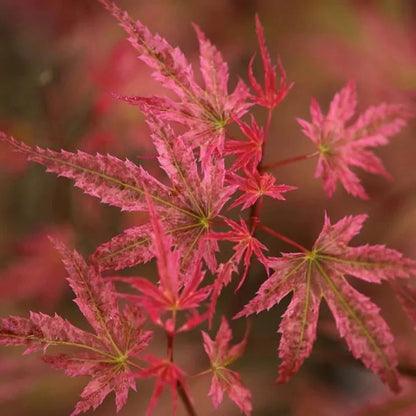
pixel 340 146
pixel 256 185
pixel 268 97
pixel 246 245
pixel 221 355
pixel 320 273
pixel 105 355
pixel 188 205
pixel 204 111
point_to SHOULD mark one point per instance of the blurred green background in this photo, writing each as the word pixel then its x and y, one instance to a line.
pixel 60 61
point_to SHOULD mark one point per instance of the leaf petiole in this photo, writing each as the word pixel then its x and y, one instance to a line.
pixel 289 160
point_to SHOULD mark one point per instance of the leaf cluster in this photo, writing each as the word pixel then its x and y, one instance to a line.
pixel 205 171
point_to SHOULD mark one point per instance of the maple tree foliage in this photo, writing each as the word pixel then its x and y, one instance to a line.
pixel 105 355
pixel 268 96
pixel 320 273
pixel 340 146
pixel 205 171
pixel 205 111
pixel 177 288
pixel 221 355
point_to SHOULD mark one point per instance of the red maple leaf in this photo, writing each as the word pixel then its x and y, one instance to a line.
pixel 246 245
pixel 320 273
pixel 221 355
pixel 255 186
pixel 177 288
pixel 167 374
pixel 249 153
pixel 270 96
pixel 340 146
pixel 104 355
pixel 188 205
pixel 205 111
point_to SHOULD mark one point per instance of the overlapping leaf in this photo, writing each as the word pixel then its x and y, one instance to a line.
pixel 249 153
pixel 188 205
pixel 320 273
pixel 178 287
pixel 245 246
pixel 167 375
pixel 204 111
pixel 104 355
pixel 340 146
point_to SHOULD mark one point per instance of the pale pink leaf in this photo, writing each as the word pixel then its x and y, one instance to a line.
pixel 221 355
pixel 320 273
pixel 103 355
pixel 341 146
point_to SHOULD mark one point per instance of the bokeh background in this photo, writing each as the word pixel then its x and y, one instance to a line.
pixel 59 62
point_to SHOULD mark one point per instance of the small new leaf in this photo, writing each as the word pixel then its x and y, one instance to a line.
pixel 255 186
pixel 270 96
pixel 167 374
pixel 221 355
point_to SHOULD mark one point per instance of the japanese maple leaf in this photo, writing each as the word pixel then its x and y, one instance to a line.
pixel 245 246
pixel 254 186
pixel 177 288
pixel 270 96
pixel 167 374
pixel 320 273
pixel 221 355
pixel 105 354
pixel 249 153
pixel 187 206
pixel 205 111
pixel 340 146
